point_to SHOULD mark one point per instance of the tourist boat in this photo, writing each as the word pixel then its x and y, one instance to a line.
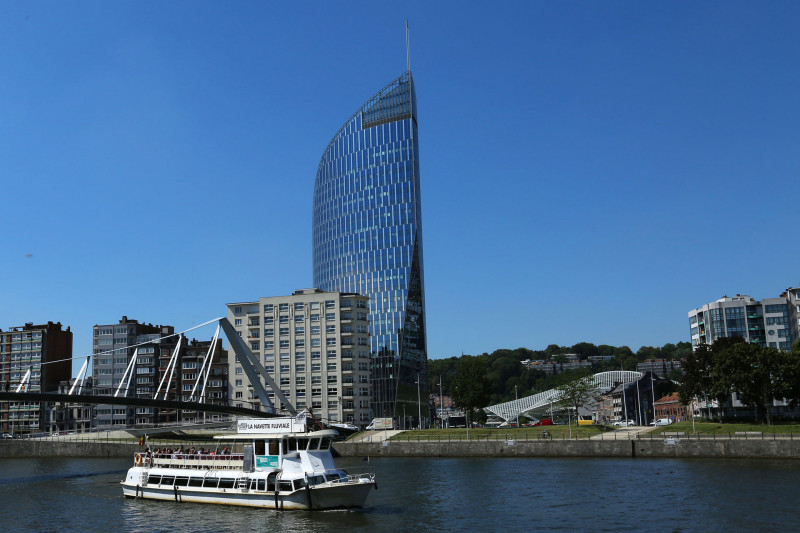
pixel 273 463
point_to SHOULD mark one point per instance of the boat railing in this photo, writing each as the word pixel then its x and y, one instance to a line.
pixel 199 461
pixel 365 476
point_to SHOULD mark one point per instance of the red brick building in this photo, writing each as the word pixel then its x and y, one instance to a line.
pixel 670 407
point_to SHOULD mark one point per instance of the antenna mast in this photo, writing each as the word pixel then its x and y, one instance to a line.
pixel 408 53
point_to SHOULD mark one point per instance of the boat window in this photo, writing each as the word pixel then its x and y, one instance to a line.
pixel 292 445
pixel 260 447
pixel 326 443
pixel 257 484
pixel 314 444
pixel 316 480
pixel 210 482
pixel 273 447
pixel 285 486
pixel 154 480
pixel 226 483
pixel 271 481
pixel 181 481
pixel 285 445
pixel 195 482
pixel 168 480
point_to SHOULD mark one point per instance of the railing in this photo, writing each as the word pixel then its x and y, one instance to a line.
pixel 611 435
pixel 197 460
pixel 368 475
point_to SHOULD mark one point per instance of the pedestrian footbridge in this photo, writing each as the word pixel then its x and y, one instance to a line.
pixel 540 402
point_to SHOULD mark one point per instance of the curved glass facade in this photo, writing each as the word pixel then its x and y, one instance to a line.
pixel 367 238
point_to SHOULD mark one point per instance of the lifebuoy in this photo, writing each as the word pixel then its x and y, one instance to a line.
pixel 138 459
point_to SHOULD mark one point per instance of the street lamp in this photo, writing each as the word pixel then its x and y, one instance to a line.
pixel 441 404
pixel 419 403
pixel 516 395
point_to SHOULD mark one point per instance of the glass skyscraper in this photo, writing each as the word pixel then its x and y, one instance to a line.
pixel 367 238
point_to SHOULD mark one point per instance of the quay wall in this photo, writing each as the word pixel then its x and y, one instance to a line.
pixel 578 448
pixel 50 448
pixel 781 448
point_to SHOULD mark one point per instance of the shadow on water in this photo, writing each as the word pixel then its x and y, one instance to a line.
pixel 53 477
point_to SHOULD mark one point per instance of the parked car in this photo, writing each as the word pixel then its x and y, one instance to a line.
pixel 7 436
pixel 624 423
pixel 661 422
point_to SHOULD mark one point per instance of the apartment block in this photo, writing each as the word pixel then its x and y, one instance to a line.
pixel 44 352
pixel 769 322
pixel 113 348
pixel 315 345
pixel 193 379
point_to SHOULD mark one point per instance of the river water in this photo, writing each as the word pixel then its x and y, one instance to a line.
pixel 421 495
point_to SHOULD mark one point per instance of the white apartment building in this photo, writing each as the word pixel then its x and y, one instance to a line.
pixel 315 346
pixel 769 322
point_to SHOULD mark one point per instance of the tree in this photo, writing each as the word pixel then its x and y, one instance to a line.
pixel 471 388
pixel 577 392
pixel 585 349
pixel 696 380
pixel 552 349
pixel 757 374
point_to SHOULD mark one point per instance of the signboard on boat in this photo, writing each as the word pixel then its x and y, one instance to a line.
pixel 271 425
pixel 267 461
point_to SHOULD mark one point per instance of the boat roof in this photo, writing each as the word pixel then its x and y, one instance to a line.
pixel 251 436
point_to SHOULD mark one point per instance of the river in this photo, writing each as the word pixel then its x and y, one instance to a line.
pixel 421 495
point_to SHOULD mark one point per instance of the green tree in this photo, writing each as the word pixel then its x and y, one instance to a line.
pixel 552 349
pixel 697 368
pixel 577 392
pixel 757 374
pixel 471 387
pixel 585 349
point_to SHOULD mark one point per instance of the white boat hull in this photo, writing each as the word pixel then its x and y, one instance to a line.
pixel 320 497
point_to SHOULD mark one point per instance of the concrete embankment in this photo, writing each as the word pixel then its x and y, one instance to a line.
pixel 781 448
pixel 55 448
pixel 577 448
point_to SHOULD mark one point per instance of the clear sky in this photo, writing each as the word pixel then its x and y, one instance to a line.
pixel 591 171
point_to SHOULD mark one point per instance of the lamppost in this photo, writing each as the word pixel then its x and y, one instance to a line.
pixel 624 398
pixel 653 389
pixel 516 395
pixel 638 404
pixel 441 404
pixel 419 403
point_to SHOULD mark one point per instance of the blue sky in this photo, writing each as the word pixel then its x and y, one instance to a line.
pixel 590 171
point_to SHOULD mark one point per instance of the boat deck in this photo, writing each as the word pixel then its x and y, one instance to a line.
pixel 195 461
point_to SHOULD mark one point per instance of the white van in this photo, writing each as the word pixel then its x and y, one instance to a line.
pixel 661 422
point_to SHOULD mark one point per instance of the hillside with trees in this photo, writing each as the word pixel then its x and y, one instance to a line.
pixel 498 373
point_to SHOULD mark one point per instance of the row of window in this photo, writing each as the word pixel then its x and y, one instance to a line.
pixel 112 331
pixel 17 337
